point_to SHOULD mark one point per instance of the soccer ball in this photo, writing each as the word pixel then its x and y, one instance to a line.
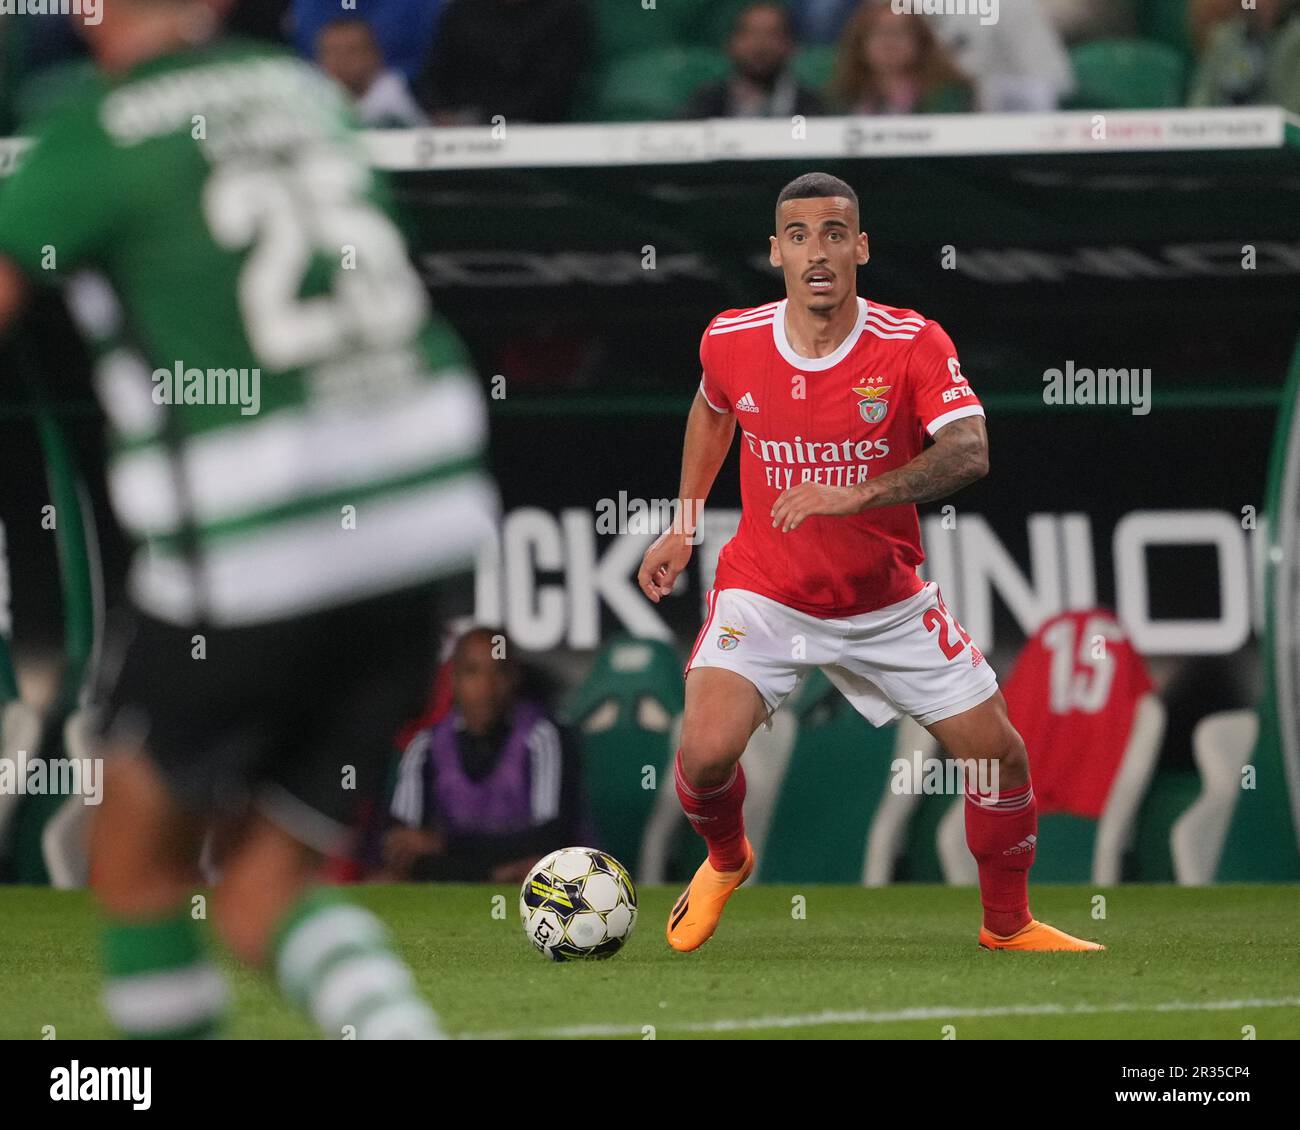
pixel 578 902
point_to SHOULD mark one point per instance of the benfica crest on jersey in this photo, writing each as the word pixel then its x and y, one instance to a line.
pixel 730 637
pixel 874 406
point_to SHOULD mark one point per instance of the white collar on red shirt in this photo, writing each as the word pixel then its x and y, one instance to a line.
pixel 815 364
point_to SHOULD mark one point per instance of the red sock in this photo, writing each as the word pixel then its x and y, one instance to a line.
pixel 1001 832
pixel 716 815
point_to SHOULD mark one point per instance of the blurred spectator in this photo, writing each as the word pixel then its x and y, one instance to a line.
pixel 521 59
pixel 347 51
pixel 761 84
pixel 486 792
pixel 1251 58
pixel 1017 64
pixel 1206 15
pixel 1078 21
pixel 894 64
pixel 404 28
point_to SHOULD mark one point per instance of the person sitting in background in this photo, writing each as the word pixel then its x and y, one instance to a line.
pixel 347 51
pixel 486 792
pixel 1017 64
pixel 403 28
pixel 1251 58
pixel 519 59
pixel 761 84
pixel 893 64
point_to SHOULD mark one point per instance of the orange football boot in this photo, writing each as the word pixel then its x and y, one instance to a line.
pixel 695 915
pixel 1036 936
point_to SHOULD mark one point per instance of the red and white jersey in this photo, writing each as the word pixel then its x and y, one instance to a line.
pixel 859 412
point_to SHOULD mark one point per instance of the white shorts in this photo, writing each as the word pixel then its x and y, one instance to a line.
pixel 906 658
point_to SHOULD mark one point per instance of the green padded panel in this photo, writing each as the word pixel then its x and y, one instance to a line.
pixel 814 65
pixel 1167 22
pixel 624 28
pixel 1064 850
pixel 707 23
pixel 1170 795
pixel 1123 74
pixel 654 85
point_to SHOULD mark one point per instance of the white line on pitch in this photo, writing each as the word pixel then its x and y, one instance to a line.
pixel 864 1016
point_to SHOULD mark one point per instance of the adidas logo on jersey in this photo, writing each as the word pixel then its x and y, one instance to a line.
pixel 746 403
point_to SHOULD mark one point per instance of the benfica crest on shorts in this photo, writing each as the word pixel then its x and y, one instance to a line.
pixel 873 406
pixel 730 637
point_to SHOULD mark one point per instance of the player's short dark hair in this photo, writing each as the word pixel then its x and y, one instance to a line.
pixel 816 184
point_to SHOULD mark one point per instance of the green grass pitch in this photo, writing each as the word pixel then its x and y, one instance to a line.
pixel 893 963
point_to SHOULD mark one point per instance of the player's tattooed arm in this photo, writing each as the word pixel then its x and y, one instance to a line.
pixel 958 457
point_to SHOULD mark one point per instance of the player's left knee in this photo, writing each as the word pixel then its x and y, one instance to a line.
pixel 1011 755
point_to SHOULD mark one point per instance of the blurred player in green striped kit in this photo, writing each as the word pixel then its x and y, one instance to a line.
pixel 297 455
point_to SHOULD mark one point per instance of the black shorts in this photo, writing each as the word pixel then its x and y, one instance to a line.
pixel 296 717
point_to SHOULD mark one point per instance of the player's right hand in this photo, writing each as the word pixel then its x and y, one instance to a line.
pixel 667 557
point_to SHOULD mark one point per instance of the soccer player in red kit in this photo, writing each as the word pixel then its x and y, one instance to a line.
pixel 834 396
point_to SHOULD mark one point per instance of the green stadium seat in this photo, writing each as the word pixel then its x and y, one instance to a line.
pixel 1122 74
pixel 1168 22
pixel 625 28
pixel 838 768
pixel 705 23
pixel 814 65
pixel 625 714
pixel 654 85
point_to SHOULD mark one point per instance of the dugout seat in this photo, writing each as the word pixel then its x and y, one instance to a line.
pixel 1092 756
pixel 818 830
pixel 1221 745
pixel 626 714
pixel 1127 74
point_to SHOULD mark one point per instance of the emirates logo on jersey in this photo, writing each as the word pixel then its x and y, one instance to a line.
pixel 873 406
